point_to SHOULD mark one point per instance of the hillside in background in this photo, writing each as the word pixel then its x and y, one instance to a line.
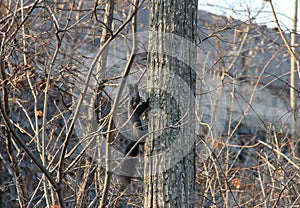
pixel 252 65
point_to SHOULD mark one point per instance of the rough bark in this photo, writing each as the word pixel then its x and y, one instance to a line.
pixel 169 150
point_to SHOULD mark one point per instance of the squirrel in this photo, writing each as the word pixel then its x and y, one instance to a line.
pixel 136 108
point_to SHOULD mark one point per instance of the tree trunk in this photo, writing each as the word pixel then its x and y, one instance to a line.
pixel 169 151
pixel 293 99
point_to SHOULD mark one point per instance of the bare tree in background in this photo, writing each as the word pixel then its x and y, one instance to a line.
pixel 293 97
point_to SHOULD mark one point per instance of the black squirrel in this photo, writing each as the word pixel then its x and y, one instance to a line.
pixel 136 108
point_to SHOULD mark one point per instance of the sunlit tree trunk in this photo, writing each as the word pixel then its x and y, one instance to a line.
pixel 293 99
pixel 169 151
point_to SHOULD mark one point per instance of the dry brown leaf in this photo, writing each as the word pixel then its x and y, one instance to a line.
pixel 39 113
pixel 237 183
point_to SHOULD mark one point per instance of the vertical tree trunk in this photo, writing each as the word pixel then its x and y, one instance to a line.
pixel 169 150
pixel 293 99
